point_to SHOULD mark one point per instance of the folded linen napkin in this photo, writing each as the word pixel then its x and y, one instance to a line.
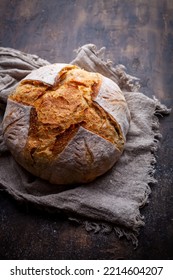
pixel 112 201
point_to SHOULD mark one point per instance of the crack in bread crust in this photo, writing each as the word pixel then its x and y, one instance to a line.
pixel 58 111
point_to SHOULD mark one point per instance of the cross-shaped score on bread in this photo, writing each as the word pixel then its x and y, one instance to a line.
pixel 66 125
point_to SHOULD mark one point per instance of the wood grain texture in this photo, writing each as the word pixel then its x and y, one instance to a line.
pixel 138 34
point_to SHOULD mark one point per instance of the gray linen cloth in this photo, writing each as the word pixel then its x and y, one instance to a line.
pixel 113 201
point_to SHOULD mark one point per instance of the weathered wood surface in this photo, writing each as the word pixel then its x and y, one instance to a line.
pixel 138 34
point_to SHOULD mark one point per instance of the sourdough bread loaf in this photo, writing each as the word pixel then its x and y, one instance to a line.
pixel 66 125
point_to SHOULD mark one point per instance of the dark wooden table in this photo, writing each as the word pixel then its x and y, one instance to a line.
pixel 138 34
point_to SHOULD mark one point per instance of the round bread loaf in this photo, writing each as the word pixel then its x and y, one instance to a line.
pixel 66 125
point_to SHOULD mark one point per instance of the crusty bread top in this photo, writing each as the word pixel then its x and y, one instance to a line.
pixel 55 71
pixel 61 105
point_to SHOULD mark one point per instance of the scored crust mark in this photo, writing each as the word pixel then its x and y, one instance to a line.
pixel 86 157
pixel 59 110
pixel 104 125
pixel 112 100
pixel 49 73
pixel 15 128
pixel 28 92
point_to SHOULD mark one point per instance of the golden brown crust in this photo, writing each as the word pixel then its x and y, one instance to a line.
pixel 59 110
pixel 66 125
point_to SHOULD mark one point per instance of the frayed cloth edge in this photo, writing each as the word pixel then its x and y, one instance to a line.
pixel 106 228
pixel 125 81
